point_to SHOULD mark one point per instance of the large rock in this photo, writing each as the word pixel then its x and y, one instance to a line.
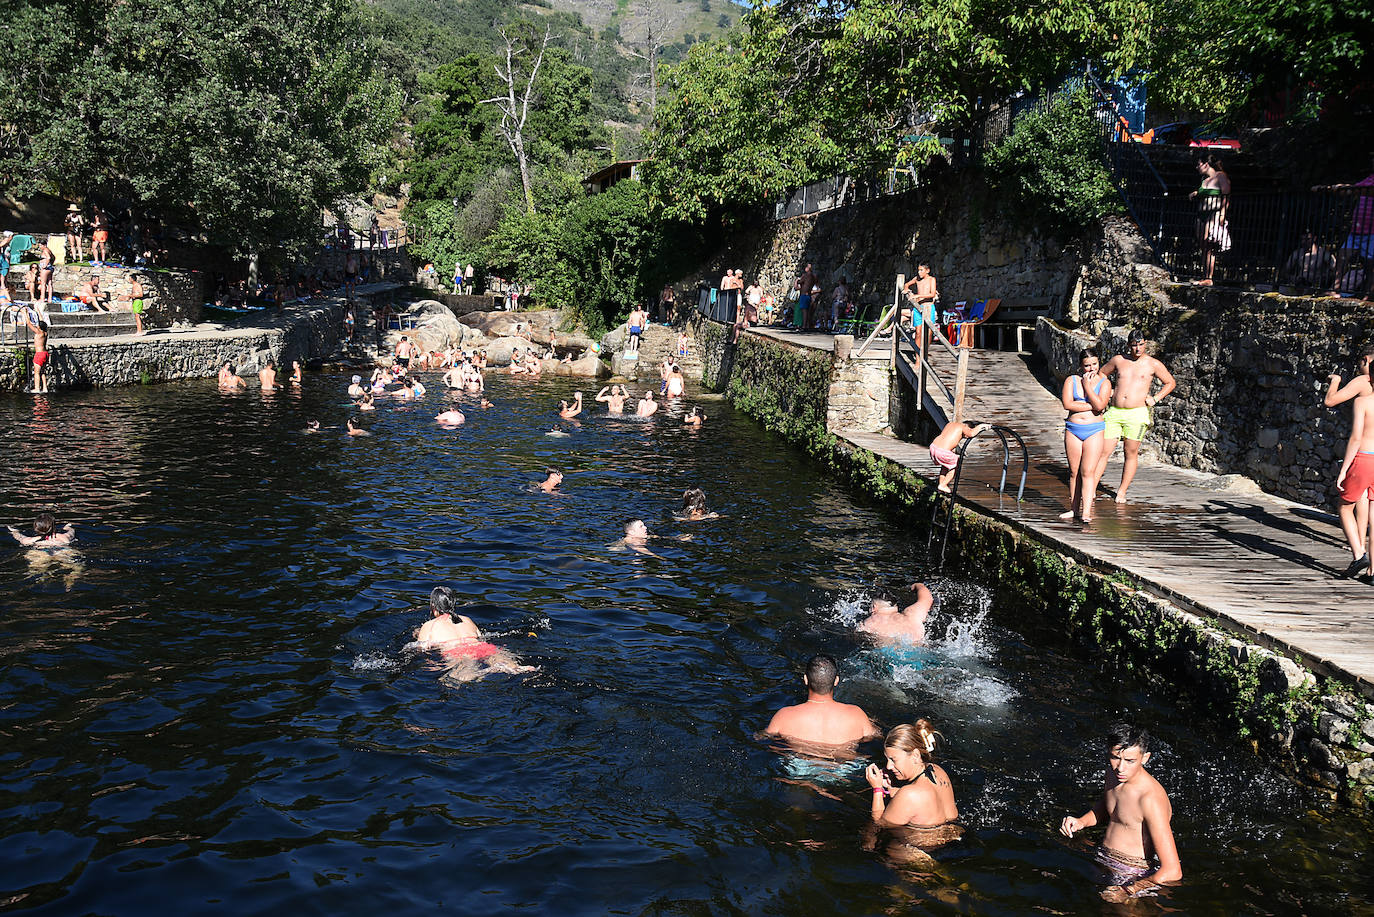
pixel 588 366
pixel 499 350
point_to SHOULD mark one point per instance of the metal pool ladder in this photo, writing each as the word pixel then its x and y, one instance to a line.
pixel 940 524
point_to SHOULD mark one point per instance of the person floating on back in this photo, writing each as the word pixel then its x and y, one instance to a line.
pixel 1137 852
pixel 45 533
pixel 942 450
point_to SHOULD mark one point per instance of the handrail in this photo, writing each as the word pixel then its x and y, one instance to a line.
pixel 948 505
pixel 904 335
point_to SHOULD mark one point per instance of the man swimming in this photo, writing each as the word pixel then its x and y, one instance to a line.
pixel 1137 813
pixel 694 506
pixel 553 477
pixel 614 401
pixel 355 431
pixel 461 642
pixel 888 624
pixel 822 720
pixel 1129 413
pixel 45 533
pixel 230 381
pixel 450 418
pixel 569 411
pixel 647 405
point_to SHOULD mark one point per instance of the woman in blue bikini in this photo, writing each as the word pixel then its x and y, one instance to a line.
pixel 1085 397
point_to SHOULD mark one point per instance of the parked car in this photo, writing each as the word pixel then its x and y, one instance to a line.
pixel 1201 136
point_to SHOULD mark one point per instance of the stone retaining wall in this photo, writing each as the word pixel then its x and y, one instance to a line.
pixel 1320 730
pixel 169 296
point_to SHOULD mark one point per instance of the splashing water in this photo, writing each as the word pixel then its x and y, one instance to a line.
pixel 375 662
pixel 964 637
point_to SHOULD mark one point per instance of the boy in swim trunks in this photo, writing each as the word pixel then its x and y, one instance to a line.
pixel 887 624
pixel 1129 413
pixel 1356 480
pixel 1137 813
pixel 34 320
pixel 942 450
pixel 461 642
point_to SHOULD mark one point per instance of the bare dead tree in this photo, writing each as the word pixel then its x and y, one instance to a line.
pixel 645 87
pixel 515 109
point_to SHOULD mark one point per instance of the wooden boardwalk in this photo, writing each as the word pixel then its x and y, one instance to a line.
pixel 1212 544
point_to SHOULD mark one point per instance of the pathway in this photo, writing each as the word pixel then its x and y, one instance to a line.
pixel 1213 544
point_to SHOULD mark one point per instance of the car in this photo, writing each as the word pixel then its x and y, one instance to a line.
pixel 1199 136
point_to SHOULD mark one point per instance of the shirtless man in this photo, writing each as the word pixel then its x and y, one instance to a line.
pixel 460 641
pixel 942 450
pixel 354 431
pixel 267 377
pixel 552 478
pixel 923 298
pixel 1337 394
pixel 1137 813
pixel 405 351
pixel 614 398
pixel 647 405
pixel 887 624
pixel 569 411
pixel 230 381
pixel 450 418
pixel 91 294
pixel 33 319
pixel 1356 480
pixel 45 533
pixel 1129 413
pixel 453 378
pixel 822 720
pixel 695 418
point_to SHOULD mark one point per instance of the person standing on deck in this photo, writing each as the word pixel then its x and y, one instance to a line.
pixel 804 283
pixel 1085 397
pixel 822 720
pixel 1337 394
pixel 1356 480
pixel 1129 413
pixel 1137 813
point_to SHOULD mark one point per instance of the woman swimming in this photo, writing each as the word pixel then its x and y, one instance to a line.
pixel 694 505
pixel 913 792
pixel 1085 397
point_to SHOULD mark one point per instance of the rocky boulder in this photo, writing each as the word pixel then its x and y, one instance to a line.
pixel 499 350
pixel 587 366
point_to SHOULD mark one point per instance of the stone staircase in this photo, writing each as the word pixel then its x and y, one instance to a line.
pixel 659 342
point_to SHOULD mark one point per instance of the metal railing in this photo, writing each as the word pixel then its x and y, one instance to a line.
pixel 843 191
pixel 940 527
pixel 719 305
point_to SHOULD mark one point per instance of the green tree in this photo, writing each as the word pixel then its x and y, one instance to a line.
pixel 1050 169
pixel 241 118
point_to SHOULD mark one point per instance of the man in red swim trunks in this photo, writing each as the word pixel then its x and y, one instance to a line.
pixel 1356 479
pixel 34 320
pixel 467 656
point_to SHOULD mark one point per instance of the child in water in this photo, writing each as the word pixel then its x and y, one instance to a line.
pixel 45 533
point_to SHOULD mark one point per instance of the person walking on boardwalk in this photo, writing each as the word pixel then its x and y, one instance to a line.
pixel 1129 413
pixel 1138 852
pixel 1356 480
pixel 1338 394
pixel 1085 397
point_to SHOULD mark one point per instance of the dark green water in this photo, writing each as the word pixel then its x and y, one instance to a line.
pixel 208 708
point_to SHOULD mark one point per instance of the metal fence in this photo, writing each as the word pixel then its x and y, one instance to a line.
pixel 718 305
pixel 842 191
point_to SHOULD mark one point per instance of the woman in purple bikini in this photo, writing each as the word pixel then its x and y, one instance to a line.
pixel 1085 397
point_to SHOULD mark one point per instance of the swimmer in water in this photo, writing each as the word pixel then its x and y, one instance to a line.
pixel 613 399
pixel 355 388
pixel 312 426
pixel 1137 852
pixel 636 538
pixel 647 405
pixel 297 372
pixel 484 404
pixel 45 533
pixel 569 411
pixel 553 477
pixel 418 388
pixel 887 624
pixel 356 431
pixel 694 506
pixel 461 643
pixel 675 383
pixel 230 381
pixel 450 418
pixel 913 792
pixel 406 391
pixel 367 402
pixel 695 418
pixel 821 720
pixel 558 433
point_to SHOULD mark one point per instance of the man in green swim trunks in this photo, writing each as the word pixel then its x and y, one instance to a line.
pixel 1129 413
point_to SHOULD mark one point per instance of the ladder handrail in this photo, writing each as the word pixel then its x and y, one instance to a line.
pixel 948 504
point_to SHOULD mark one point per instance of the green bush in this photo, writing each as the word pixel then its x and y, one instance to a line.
pixel 1051 169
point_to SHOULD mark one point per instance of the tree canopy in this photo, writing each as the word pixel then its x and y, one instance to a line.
pixel 242 118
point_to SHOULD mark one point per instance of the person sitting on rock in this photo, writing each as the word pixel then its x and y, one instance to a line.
pixel 91 294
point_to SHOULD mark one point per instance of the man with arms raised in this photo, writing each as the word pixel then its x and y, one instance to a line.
pixel 1129 413
pixel 886 623
pixel 1138 849
pixel 822 720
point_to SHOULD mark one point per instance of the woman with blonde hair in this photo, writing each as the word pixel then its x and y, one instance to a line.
pixel 913 791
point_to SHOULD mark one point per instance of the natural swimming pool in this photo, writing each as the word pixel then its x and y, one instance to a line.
pixel 208 706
